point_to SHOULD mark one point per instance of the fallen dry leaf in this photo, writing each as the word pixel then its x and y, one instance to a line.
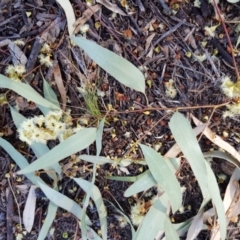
pixel 217 140
pixel 61 88
pixel 29 209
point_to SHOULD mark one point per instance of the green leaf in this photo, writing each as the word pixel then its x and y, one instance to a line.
pixel 51 214
pixel 145 182
pixel 152 222
pixel 217 201
pixel 196 226
pixel 93 187
pixel 187 142
pixel 49 94
pixel 99 137
pixel 71 145
pixel 63 201
pixel 121 69
pixel 223 155
pixel 95 194
pixel 170 232
pixel 95 159
pixel 26 91
pixel 164 176
pixel 19 159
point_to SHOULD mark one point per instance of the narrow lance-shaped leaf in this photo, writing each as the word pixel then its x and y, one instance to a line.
pixel 145 181
pixel 51 214
pixel 71 145
pixel 170 232
pixel 49 94
pixel 217 201
pixel 68 9
pixel 121 69
pixel 63 201
pixel 187 142
pixel 103 221
pixel 95 194
pixel 152 222
pixel 26 91
pixel 164 176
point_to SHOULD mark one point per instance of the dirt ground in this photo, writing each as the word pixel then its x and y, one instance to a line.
pixel 166 39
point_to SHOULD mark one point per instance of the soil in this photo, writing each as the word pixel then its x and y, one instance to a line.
pixel 163 38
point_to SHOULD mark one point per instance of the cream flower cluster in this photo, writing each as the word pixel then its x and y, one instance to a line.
pixel 41 128
pixel 170 89
pixel 15 72
pixel 231 90
pixel 45 56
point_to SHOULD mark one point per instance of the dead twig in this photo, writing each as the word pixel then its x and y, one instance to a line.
pixel 228 38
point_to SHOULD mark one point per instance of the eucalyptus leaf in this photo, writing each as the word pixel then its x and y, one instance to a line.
pixel 186 140
pixel 95 194
pixel 223 155
pixel 95 159
pixel 121 69
pixel 170 232
pixel 164 176
pixel 145 182
pixel 217 201
pixel 152 222
pixel 63 201
pixel 233 1
pixel 26 91
pixel 51 214
pixel 77 142
pixel 49 94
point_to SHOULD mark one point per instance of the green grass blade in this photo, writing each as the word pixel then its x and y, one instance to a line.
pixel 26 91
pixel 121 69
pixel 152 222
pixel 63 201
pixel 217 201
pixel 145 182
pixel 164 176
pixel 71 145
pixel 170 232
pixel 51 214
pixel 95 194
pixel 186 140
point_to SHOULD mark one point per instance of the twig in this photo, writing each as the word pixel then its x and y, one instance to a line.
pixel 169 109
pixel 18 208
pixel 169 32
pixel 228 38
pixel 140 5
